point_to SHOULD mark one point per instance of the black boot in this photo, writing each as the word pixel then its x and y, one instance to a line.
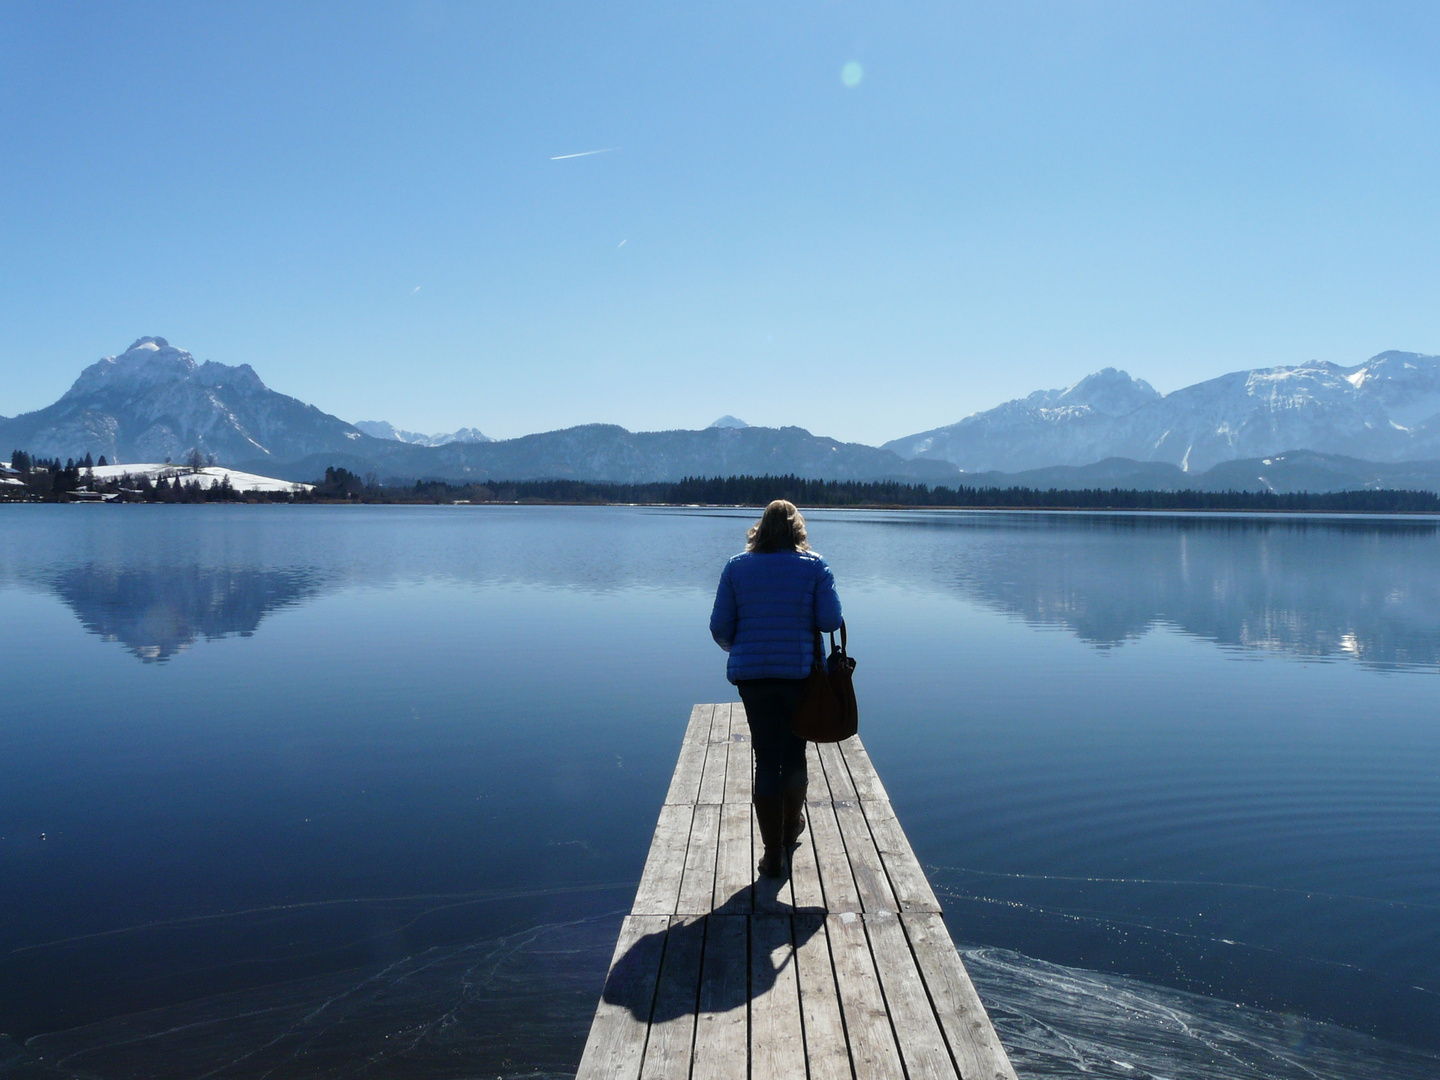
pixel 794 815
pixel 770 815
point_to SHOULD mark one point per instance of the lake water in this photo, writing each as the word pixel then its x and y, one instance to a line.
pixel 326 791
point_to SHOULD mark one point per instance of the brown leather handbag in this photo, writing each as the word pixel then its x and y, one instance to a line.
pixel 827 712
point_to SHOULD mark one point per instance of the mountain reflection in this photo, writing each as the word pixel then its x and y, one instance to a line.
pixel 155 612
pixel 1364 589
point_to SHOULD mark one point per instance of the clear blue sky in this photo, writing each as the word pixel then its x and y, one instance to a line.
pixel 1011 197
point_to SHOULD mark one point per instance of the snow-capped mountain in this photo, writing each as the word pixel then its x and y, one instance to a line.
pixel 153 402
pixel 730 421
pixel 1386 409
pixel 382 429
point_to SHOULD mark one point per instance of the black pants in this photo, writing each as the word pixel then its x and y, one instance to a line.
pixel 779 755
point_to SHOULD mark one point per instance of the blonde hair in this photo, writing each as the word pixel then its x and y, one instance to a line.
pixel 780 528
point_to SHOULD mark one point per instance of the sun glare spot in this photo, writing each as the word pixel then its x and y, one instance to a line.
pixel 852 73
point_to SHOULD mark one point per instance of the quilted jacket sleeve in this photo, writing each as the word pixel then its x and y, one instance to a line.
pixel 827 601
pixel 723 615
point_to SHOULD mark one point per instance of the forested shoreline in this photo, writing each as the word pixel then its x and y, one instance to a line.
pixel 49 481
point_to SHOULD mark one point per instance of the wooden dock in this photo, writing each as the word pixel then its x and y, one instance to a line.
pixel 843 972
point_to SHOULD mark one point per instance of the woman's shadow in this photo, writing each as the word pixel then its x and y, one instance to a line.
pixel 712 963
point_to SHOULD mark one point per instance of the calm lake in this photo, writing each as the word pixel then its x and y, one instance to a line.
pixel 326 791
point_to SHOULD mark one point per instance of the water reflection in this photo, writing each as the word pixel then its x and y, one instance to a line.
pixel 155 612
pixel 271 859
pixel 1363 589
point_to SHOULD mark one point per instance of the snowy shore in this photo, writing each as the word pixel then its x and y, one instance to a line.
pixel 206 477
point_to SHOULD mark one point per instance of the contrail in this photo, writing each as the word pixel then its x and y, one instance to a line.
pixel 583 153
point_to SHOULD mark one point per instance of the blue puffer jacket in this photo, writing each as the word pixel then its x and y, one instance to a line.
pixel 766 611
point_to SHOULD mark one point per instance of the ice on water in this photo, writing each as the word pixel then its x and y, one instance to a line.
pixel 520 1004
pixel 1063 1021
pixel 517 1005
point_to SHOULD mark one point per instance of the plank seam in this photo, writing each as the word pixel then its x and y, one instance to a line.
pixel 794 962
pixel 910 945
pixel 654 994
pixel 843 847
pixel 749 984
pixel 889 1013
pixel 699 984
pixel 799 993
pixel 929 994
pixel 865 814
pixel 839 1005
pixel 884 863
pixel 840 833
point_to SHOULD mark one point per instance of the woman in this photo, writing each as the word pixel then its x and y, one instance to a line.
pixel 772 598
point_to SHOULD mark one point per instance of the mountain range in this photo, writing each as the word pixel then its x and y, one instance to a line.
pixel 1314 426
pixel 153 402
pixel 382 429
pixel 1386 409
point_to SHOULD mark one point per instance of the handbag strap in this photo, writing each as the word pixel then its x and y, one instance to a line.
pixel 819 648
pixel 843 651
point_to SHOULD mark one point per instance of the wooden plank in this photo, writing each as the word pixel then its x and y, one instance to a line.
pixel 660 881
pixel 907 878
pixel 865 864
pixel 617 1035
pixel 734 864
pixel 922 1046
pixel 867 1024
pixel 761 988
pixel 837 773
pixel 836 879
pixel 862 770
pixel 777 1041
pixel 826 1051
pixel 685 782
pixel 672 1019
pixel 819 786
pixel 722 1021
pixel 806 892
pixel 805 875
pixel 721 723
pixel 697 886
pixel 976 1048
pixel 712 780
pixel 740 766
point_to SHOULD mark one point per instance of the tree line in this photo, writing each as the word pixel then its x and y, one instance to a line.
pixel 341 484
pixel 49 480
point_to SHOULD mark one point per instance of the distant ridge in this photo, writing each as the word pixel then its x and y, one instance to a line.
pixel 153 402
pixel 1288 473
pixel 608 453
pixel 1386 409
pixel 1311 427
pixel 382 429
